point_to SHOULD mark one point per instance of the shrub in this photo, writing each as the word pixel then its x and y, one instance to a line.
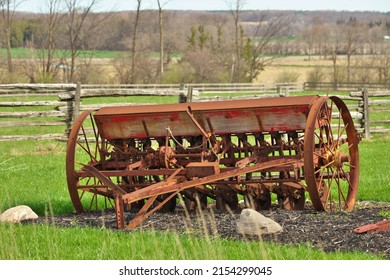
pixel 315 76
pixel 287 77
pixel 179 73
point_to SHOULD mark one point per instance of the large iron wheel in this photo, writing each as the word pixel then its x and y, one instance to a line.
pixel 85 147
pixel 331 156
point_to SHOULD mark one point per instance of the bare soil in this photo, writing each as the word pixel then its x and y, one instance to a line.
pixel 326 231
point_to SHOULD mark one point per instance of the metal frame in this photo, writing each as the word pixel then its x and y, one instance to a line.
pixel 143 157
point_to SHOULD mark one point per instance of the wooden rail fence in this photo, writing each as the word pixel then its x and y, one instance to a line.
pixel 328 86
pixel 57 105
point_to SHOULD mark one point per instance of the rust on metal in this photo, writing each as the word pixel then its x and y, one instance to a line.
pixel 239 116
pixel 377 227
pixel 144 158
pixel 202 169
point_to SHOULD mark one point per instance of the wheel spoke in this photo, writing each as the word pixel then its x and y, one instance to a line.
pixel 88 150
pixel 330 183
pixel 340 134
pixel 324 167
pixel 342 198
pixel 321 178
pixel 324 144
pixel 329 129
pixel 96 136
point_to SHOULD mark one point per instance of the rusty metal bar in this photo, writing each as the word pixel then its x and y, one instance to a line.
pixel 378 227
pixel 96 173
pixel 143 214
pixel 170 186
pixel 201 129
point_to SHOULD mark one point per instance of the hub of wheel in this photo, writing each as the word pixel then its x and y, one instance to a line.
pixel 335 158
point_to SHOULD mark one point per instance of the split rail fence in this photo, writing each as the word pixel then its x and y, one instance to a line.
pixel 54 107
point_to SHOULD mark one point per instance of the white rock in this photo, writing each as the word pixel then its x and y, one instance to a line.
pixel 18 214
pixel 252 222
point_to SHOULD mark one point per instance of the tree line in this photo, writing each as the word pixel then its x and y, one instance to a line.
pixel 170 46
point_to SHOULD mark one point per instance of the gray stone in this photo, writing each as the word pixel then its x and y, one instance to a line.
pixel 18 214
pixel 252 222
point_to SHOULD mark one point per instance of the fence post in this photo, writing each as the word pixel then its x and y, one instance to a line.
pixel 287 92
pixel 182 96
pixel 69 97
pixel 77 98
pixel 366 114
pixel 189 93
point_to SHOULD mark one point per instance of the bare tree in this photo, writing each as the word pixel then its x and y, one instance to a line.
pixel 351 32
pixel 49 26
pixel 7 8
pixel 309 37
pixel 322 32
pixel 134 42
pixel 235 7
pixel 269 27
pixel 80 28
pixel 247 61
pixel 333 49
pixel 161 29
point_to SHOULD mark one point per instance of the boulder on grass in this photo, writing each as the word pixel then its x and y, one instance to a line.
pixel 18 214
pixel 252 222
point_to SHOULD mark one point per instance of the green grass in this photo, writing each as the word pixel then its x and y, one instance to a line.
pixel 385 214
pixel 374 174
pixel 40 130
pixel 45 242
pixel 22 53
pixel 33 173
pixel 28 53
pixel 131 99
pixel 32 130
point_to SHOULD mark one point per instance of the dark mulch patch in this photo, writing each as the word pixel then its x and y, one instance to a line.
pixel 327 231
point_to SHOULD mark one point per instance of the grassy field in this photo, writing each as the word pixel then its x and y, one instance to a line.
pixel 23 53
pixel 300 65
pixel 45 242
pixel 33 173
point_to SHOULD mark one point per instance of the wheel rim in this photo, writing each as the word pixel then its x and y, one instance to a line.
pixel 331 156
pixel 85 147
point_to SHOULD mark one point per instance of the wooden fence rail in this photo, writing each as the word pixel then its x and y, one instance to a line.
pixel 66 102
pixel 328 86
pixel 371 105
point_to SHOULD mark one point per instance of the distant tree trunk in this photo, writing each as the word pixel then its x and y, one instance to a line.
pixel 160 20
pixel 52 24
pixel 309 36
pixel 80 27
pixel 334 61
pixel 351 34
pixel 8 46
pixel 134 42
pixel 235 10
pixel 7 21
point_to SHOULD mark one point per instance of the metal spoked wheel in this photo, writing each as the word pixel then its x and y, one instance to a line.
pixel 85 147
pixel 331 156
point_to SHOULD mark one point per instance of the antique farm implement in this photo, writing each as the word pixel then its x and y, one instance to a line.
pixel 148 157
